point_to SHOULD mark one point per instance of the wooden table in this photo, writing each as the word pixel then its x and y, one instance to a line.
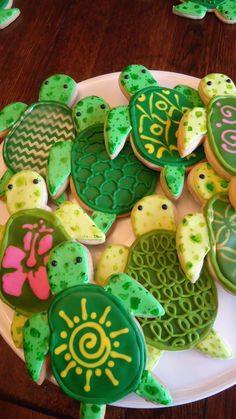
pixel 86 39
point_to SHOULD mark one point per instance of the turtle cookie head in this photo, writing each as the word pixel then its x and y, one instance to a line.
pixel 134 78
pixel 215 85
pixel 58 88
pixel 68 264
pixel 153 212
pixel 90 111
pixel 26 190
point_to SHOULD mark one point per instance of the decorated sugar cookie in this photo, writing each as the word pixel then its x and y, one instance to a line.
pixel 34 129
pixel 7 14
pixel 204 182
pixel 109 188
pixel 214 231
pixel 97 351
pixel 153 261
pixel 152 120
pixel 225 10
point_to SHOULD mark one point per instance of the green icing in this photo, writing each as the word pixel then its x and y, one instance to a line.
pixel 174 180
pixel 92 411
pixel 4 4
pixel 59 167
pixel 10 114
pixel 190 9
pixel 196 9
pixel 117 129
pixel 17 325
pixel 191 94
pixel 58 88
pixel 214 346
pixel 22 252
pixel 103 220
pixel 7 16
pixel 61 199
pixel 36 335
pixel 221 132
pixel 110 186
pixel 4 181
pixel 90 111
pixel 221 221
pixel 135 77
pixel 227 11
pixel 27 145
pixel 137 300
pixel 97 351
pixel 155 117
pixel 68 265
pixel 151 390
pixel 190 309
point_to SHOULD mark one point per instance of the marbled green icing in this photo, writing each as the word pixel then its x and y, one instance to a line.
pixel 190 93
pixel 151 390
pixel 10 114
pixel 110 186
pixel 67 265
pixel 7 16
pixel 58 88
pixel 190 309
pixel 214 346
pixel 196 9
pixel 117 129
pixel 103 220
pixel 137 300
pixel 135 77
pixel 36 335
pixel 92 411
pixel 90 111
pixel 59 166
pixel 174 179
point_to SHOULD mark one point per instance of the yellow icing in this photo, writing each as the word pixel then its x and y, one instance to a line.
pixel 105 314
pixel 192 128
pixel 111 377
pixel 113 260
pixel 68 321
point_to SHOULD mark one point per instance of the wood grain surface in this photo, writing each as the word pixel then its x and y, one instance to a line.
pixel 85 39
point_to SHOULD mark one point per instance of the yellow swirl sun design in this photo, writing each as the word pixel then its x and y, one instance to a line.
pixel 90 347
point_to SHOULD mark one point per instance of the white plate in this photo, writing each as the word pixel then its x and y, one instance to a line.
pixel 189 375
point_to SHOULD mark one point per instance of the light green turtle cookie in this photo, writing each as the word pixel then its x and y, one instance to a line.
pixel 7 14
pixel 32 130
pixel 225 10
pixel 97 350
pixel 151 120
pixel 152 260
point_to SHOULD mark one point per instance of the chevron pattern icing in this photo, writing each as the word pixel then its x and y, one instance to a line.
pixel 28 144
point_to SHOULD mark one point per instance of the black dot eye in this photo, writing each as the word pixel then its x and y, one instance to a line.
pixel 140 207
pixel 228 81
pixel 102 106
pixel 209 83
pixel 78 113
pixel 78 259
pixel 54 263
pixel 10 186
pixel 126 76
pixel 202 176
pixel 144 71
pixel 65 86
pixel 35 181
pixel 46 82
pixel 164 207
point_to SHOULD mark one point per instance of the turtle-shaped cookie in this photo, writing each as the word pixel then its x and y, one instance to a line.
pixel 27 238
pixel 225 10
pixel 152 120
pixel 97 350
pixel 215 125
pixel 7 14
pixel 35 128
pixel 219 220
pixel 108 188
pixel 152 260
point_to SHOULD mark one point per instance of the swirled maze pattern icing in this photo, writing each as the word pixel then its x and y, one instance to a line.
pixel 190 309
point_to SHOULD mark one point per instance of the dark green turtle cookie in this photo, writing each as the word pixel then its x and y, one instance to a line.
pixel 97 351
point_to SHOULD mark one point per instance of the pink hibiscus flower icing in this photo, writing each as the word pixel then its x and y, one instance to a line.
pixel 28 264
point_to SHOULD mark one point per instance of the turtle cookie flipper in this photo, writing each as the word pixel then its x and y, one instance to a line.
pixel 92 411
pixel 4 181
pixel 191 93
pixel 190 9
pixel 172 181
pixel 227 11
pixel 150 389
pixel 116 130
pixel 59 168
pixel 192 128
pixel 7 16
pixel 9 115
pixel 214 346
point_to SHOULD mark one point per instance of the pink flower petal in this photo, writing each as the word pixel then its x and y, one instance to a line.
pixel 45 244
pixel 13 282
pixel 39 283
pixel 13 257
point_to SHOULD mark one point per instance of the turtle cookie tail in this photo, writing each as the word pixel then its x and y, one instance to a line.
pixel 190 9
pixel 150 389
pixel 92 411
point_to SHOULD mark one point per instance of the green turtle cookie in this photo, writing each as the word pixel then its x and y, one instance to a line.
pixel 225 10
pixel 152 260
pixel 214 233
pixel 106 187
pixel 33 129
pixel 97 351
pixel 152 120
pixel 7 13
